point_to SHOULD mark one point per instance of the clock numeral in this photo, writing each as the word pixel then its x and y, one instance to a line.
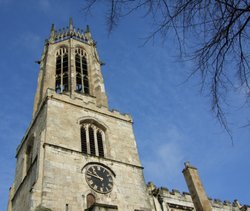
pixel 110 185
pixel 91 182
pixel 98 168
pixel 95 187
pixel 94 170
pixel 101 189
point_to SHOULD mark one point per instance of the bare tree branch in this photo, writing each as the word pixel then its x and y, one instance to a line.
pixel 222 31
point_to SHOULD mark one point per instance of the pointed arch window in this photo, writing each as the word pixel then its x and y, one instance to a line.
pixel 62 71
pixel 90 200
pixel 92 140
pixel 82 80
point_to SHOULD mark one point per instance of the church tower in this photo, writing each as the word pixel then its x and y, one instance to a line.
pixel 76 154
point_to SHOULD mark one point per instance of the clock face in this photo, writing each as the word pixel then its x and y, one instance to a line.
pixel 99 178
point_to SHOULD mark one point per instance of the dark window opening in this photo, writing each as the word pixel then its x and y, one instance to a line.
pixel 82 81
pixel 62 68
pixel 84 140
pixel 86 85
pixel 100 144
pixel 58 84
pixel 78 64
pixel 65 63
pixel 29 155
pixel 78 83
pixel 65 82
pixel 84 66
pixel 58 65
pixel 92 141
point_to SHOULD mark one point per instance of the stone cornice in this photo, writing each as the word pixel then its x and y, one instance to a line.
pixel 87 155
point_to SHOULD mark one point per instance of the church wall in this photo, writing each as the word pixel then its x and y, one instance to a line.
pixel 64 182
pixel 19 169
pixel 21 200
pixel 65 129
pixel 26 178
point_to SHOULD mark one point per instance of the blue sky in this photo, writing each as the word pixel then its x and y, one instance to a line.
pixel 172 120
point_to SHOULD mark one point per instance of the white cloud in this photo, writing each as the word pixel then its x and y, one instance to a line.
pixel 165 163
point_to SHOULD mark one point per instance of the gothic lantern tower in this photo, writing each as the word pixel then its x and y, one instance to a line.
pixel 76 154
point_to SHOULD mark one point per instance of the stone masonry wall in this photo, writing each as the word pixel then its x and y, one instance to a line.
pixel 64 182
pixel 63 128
pixel 63 169
pixel 26 179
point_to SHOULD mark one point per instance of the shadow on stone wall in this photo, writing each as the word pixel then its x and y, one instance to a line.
pixel 40 208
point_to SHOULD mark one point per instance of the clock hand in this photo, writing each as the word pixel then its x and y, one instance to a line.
pixel 94 172
pixel 95 175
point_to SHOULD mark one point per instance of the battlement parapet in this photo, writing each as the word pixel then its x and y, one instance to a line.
pixel 174 193
pixel 172 199
pixel 184 200
pixel 121 114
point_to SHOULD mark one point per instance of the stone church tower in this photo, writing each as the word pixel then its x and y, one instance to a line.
pixel 76 154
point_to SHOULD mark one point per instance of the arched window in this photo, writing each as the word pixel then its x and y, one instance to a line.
pixel 62 71
pixel 92 139
pixel 82 80
pixel 90 200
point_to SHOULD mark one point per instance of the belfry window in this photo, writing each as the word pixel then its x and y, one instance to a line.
pixel 82 80
pixel 92 138
pixel 62 71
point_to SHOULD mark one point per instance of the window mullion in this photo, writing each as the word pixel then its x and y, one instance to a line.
pixel 82 76
pixel 95 139
pixel 103 142
pixel 87 138
pixel 61 85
